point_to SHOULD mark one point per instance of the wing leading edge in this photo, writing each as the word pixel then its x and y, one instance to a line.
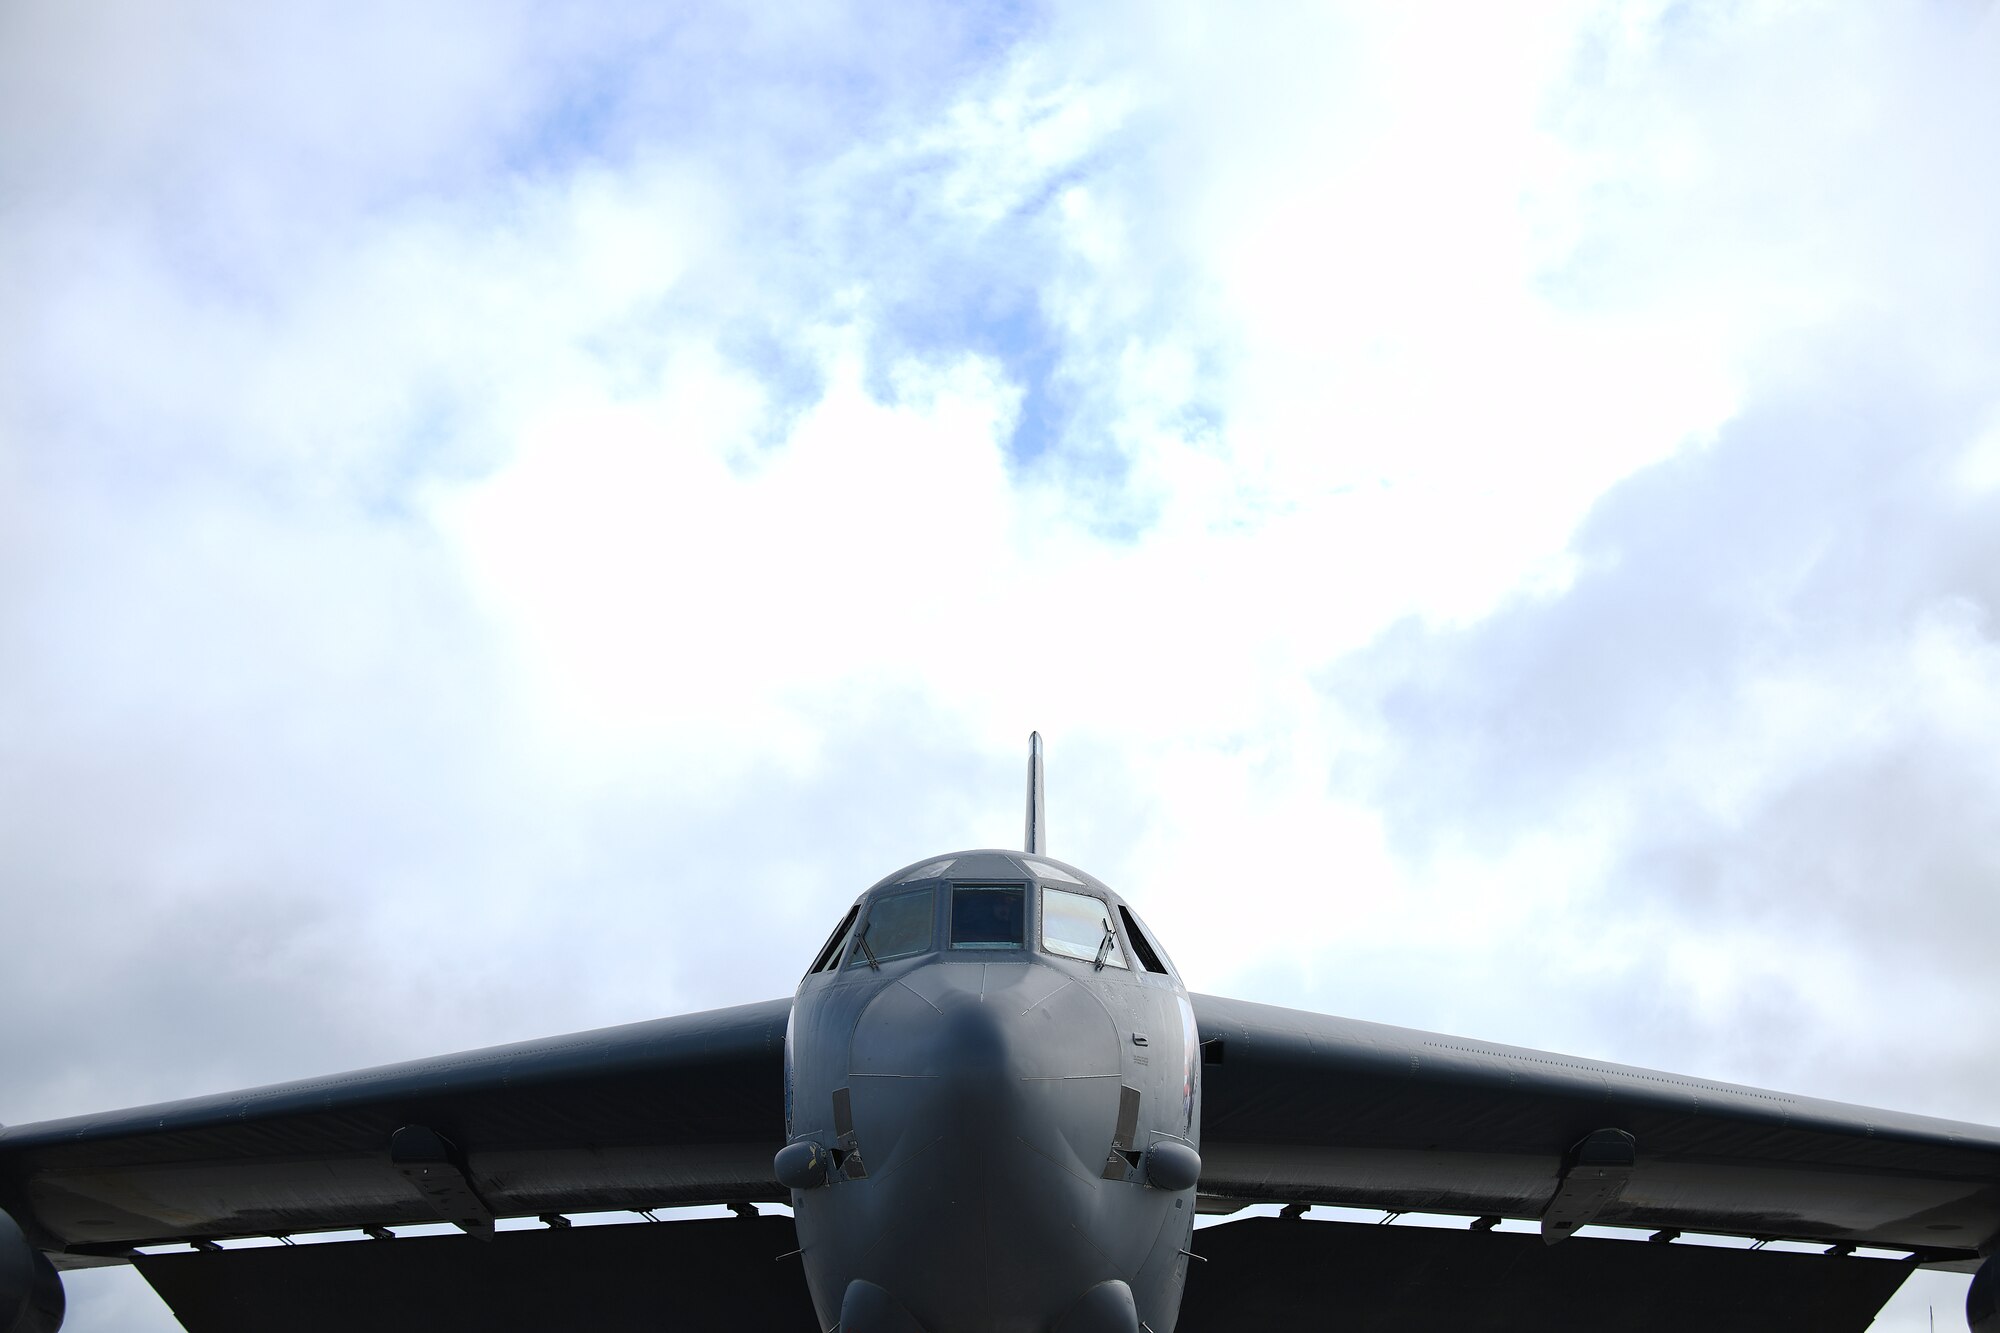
pixel 1302 1107
pixel 678 1110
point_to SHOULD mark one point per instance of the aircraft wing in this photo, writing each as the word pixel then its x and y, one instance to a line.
pixel 1302 1107
pixel 1297 1108
pixel 679 1110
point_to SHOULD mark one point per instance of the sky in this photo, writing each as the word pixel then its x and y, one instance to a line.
pixel 512 514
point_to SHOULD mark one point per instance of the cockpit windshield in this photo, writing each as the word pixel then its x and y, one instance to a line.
pixel 896 926
pixel 903 922
pixel 1076 925
pixel 988 916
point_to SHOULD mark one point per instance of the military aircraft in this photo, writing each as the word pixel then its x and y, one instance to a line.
pixel 994 1107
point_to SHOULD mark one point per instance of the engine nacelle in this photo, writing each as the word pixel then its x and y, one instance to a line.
pixel 31 1294
pixel 1982 1301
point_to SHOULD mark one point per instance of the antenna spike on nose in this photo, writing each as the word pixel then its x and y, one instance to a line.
pixel 1037 839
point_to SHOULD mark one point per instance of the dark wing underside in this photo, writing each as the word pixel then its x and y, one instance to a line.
pixel 1301 1107
pixel 680 1110
pixel 730 1276
pixel 1363 1278
pixel 693 1277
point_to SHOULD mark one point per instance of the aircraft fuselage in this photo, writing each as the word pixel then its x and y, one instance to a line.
pixel 993 1108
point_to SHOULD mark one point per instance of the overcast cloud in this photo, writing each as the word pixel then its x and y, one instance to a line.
pixel 510 515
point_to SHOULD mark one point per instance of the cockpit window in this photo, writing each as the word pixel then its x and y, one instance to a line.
pixel 988 916
pixel 1077 925
pixel 897 925
pixel 829 954
pixel 1149 953
pixel 1043 870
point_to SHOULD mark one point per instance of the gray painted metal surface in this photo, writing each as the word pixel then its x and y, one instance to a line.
pixel 1036 839
pixel 1308 1107
pixel 676 1110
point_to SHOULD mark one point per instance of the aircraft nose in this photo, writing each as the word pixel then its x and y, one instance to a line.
pixel 980 1025
pixel 978 1039
pixel 983 1101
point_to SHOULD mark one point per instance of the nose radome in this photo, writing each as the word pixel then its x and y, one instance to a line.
pixel 970 1058
pixel 974 1041
pixel 984 1097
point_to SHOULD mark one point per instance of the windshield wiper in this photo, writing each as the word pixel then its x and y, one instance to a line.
pixel 1104 947
pixel 868 952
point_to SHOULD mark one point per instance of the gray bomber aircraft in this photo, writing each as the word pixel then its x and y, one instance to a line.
pixel 994 1107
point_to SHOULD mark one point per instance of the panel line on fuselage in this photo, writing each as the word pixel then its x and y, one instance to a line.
pixel 1050 996
pixel 919 994
pixel 904 1161
pixel 1064 1166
